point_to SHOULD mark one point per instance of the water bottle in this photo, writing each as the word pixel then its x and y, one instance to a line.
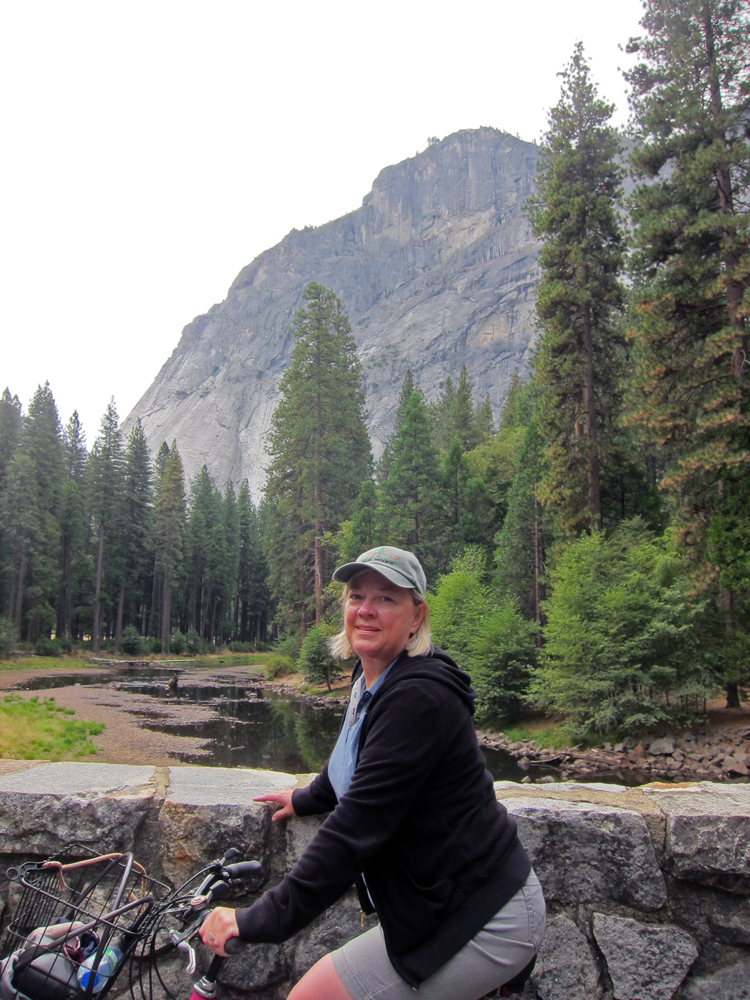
pixel 107 966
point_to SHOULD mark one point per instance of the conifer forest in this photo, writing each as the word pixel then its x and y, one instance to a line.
pixel 588 552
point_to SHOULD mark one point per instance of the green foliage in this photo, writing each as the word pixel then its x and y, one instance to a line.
pixel 7 638
pixel 622 634
pixel 315 660
pixel 194 644
pixel 577 364
pixel 504 658
pixel 362 535
pixel 177 643
pixel 320 453
pixel 32 729
pixel 490 640
pixel 132 641
pixel 44 646
pixel 277 665
pixel 412 515
pixel 691 99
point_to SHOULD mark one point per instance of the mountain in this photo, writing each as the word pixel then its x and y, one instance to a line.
pixel 437 269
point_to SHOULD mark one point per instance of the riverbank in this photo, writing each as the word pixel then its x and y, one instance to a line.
pixel 718 751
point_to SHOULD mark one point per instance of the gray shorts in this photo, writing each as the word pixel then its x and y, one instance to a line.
pixel 497 953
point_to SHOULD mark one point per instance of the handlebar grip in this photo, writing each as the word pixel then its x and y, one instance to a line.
pixel 234 945
pixel 242 869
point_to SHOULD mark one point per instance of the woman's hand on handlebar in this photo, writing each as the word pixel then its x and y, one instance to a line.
pixel 217 928
pixel 283 799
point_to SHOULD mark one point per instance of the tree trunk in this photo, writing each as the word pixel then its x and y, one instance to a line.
pixel 318 556
pixel 166 611
pixel 118 623
pixel 152 616
pixel 537 573
pixel 593 456
pixel 732 688
pixel 19 594
pixel 318 567
pixel 95 638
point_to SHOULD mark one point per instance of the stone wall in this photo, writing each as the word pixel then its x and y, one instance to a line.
pixel 648 889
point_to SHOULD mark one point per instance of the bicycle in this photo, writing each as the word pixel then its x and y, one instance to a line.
pixel 72 941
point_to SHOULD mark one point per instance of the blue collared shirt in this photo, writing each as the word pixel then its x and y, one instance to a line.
pixel 344 757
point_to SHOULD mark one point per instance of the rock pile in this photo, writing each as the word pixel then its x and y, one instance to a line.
pixel 708 755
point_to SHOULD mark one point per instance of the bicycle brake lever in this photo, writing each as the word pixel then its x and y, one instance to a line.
pixel 178 938
pixel 186 946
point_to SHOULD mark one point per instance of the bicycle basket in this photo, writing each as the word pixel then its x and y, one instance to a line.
pixel 75 922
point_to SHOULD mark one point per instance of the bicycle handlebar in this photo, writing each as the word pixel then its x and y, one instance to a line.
pixel 235 945
pixel 242 869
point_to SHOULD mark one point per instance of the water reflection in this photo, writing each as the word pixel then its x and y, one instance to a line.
pixel 250 725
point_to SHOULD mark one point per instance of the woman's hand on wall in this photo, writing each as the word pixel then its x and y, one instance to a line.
pixel 283 800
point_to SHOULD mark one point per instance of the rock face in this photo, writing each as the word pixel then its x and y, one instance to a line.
pixel 436 269
pixel 604 858
pixel 584 852
pixel 644 962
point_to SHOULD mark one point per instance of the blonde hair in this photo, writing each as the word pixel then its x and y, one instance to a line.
pixel 418 644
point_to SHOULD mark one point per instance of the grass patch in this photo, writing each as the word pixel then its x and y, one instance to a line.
pixel 44 663
pixel 32 729
pixel 549 737
pixel 232 659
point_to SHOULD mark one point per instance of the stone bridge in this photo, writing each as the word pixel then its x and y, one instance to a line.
pixel 648 889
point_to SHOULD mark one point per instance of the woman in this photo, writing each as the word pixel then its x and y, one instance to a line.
pixel 413 820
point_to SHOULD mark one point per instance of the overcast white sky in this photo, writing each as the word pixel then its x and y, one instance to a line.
pixel 152 149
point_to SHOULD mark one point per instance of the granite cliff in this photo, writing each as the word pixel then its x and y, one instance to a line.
pixel 437 269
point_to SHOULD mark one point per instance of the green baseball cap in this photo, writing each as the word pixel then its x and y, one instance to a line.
pixel 397 565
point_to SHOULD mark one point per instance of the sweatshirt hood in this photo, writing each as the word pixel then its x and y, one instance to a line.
pixel 434 666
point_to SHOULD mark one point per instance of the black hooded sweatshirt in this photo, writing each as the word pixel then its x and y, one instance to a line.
pixel 420 820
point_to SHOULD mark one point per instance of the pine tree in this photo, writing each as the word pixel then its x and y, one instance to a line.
pixel 575 213
pixel 464 424
pixel 106 488
pixel 253 593
pixel 364 521
pixel 230 576
pixel 523 541
pixel 170 533
pixel 691 103
pixel 485 423
pixel 441 412
pixel 35 477
pixel 320 450
pixel 201 559
pixel 137 523
pixel 10 431
pixel 412 515
pixel 74 565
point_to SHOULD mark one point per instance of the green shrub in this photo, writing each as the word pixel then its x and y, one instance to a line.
pixel 503 660
pixel 623 634
pixel 44 646
pixel 65 643
pixel 491 641
pixel 277 665
pixel 132 641
pixel 153 645
pixel 289 645
pixel 7 638
pixel 315 660
pixel 177 643
pixel 194 643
